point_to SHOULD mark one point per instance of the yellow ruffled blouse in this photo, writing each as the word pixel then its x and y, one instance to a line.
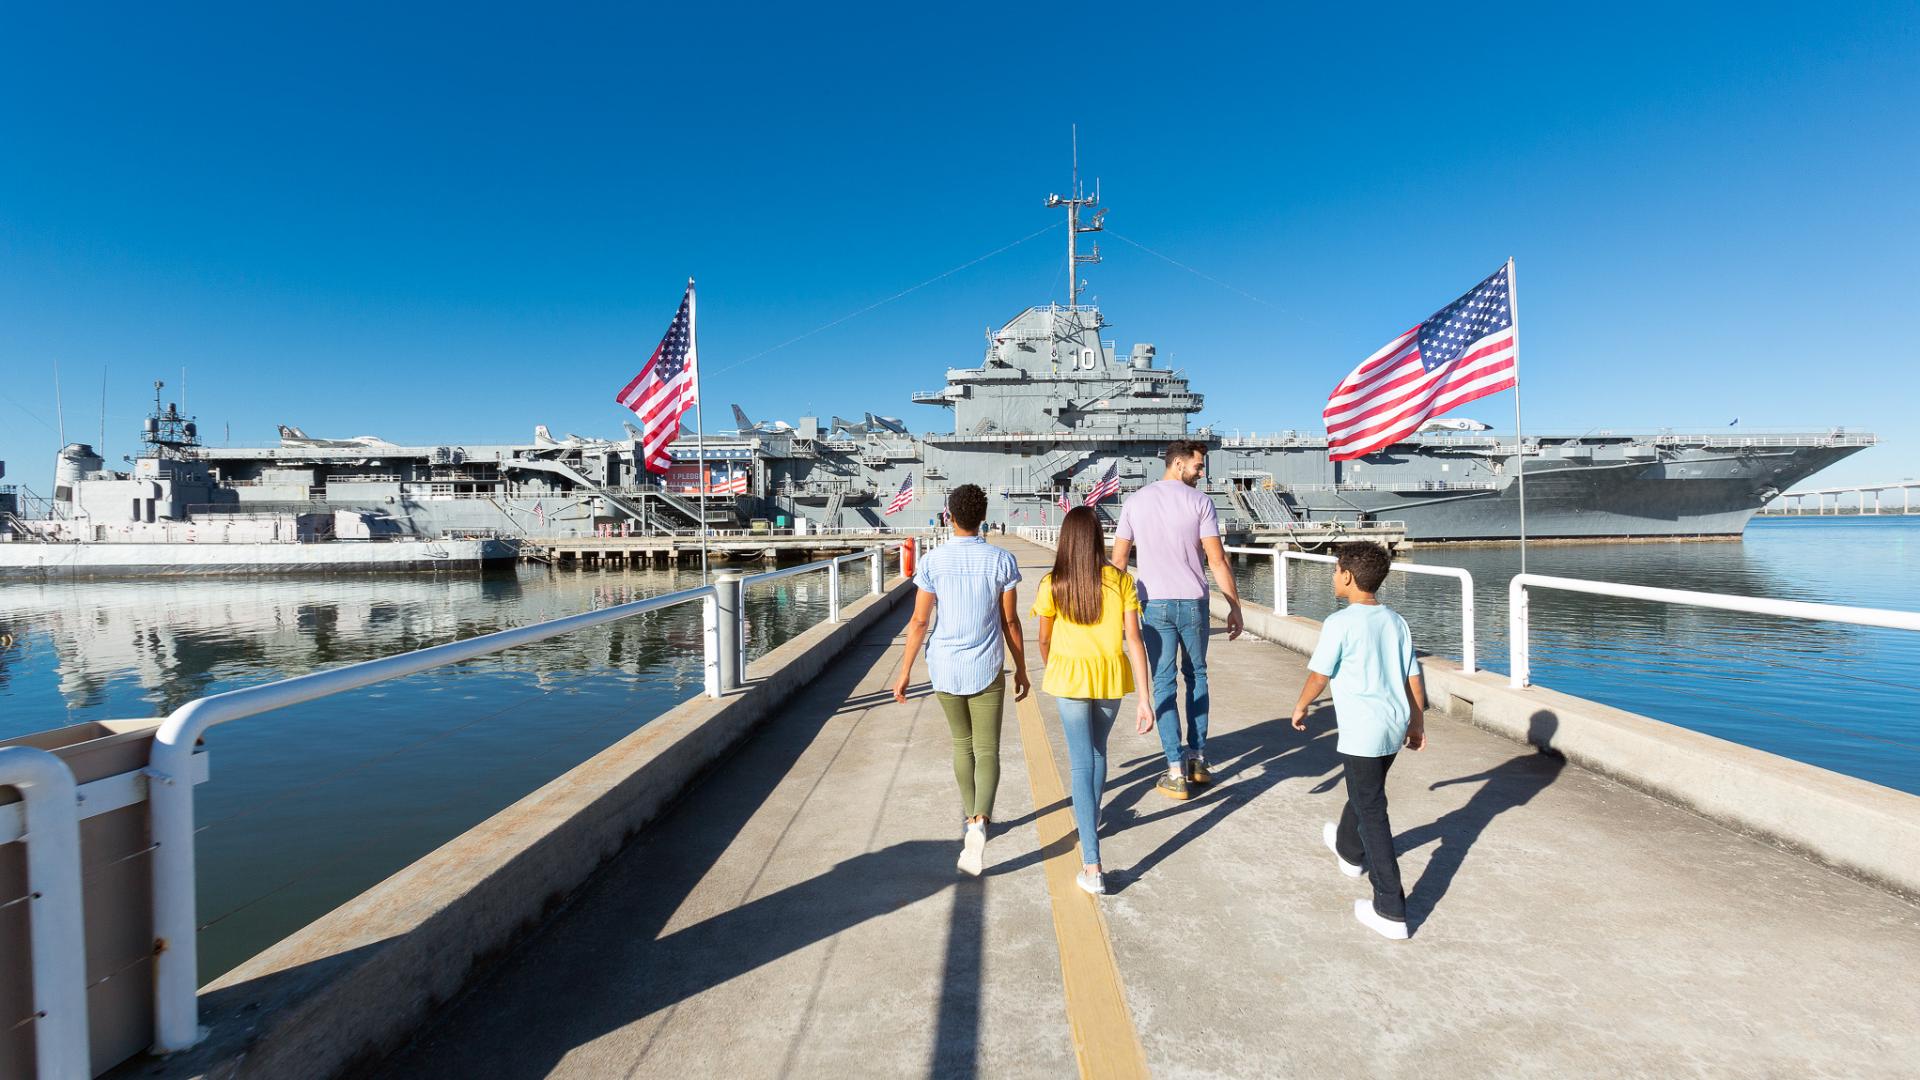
pixel 1090 661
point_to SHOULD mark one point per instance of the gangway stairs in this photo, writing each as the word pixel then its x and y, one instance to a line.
pixel 830 517
pixel 1268 508
pixel 688 509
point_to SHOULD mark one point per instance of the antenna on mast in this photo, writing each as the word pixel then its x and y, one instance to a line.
pixel 1073 202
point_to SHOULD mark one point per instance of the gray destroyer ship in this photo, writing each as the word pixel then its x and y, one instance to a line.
pixel 1051 408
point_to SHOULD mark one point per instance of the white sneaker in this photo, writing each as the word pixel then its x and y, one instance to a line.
pixel 1387 928
pixel 1327 833
pixel 1092 881
pixel 973 849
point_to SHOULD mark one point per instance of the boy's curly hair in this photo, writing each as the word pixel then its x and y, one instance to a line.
pixel 1367 562
pixel 968 505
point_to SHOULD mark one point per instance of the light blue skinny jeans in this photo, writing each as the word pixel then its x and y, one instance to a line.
pixel 1087 723
pixel 1171 628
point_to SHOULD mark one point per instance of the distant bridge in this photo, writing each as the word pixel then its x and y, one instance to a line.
pixel 1795 502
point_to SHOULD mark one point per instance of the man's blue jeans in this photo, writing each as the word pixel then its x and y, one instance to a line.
pixel 1173 628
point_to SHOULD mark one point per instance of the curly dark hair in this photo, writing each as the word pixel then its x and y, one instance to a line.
pixel 1367 562
pixel 968 505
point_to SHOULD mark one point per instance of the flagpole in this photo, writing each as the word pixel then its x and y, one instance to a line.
pixel 699 428
pixel 1519 440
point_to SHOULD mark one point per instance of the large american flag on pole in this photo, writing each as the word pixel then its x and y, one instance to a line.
pixel 902 497
pixel 1466 350
pixel 665 389
pixel 1109 484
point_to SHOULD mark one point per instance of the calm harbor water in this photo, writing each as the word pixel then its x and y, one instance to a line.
pixel 1831 695
pixel 309 806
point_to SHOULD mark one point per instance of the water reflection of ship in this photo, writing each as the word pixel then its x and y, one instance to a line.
pixel 178 640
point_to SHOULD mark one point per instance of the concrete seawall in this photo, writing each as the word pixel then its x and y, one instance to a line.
pixel 1863 829
pixel 351 986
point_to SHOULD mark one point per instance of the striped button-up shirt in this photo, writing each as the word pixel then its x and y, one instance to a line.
pixel 966 575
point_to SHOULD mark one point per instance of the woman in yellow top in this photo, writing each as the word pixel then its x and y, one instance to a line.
pixel 1090 643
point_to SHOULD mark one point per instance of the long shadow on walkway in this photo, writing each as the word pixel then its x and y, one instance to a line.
pixel 1506 786
pixel 1255 758
pixel 617 963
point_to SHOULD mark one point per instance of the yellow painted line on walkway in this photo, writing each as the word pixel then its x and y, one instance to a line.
pixel 1104 1039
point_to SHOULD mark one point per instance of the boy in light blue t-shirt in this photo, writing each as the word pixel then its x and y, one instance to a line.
pixel 1366 655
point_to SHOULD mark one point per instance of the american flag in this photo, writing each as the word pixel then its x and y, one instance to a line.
pixel 1109 483
pixel 666 388
pixel 733 485
pixel 1065 502
pixel 902 497
pixel 1466 350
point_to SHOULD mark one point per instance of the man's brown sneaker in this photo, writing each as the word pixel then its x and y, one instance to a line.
pixel 1173 787
pixel 1197 771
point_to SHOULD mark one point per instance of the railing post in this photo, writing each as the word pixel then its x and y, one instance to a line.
pixel 1467 656
pixel 1280 578
pixel 710 643
pixel 876 570
pixel 833 590
pixel 726 589
pixel 57 929
pixel 1517 632
pixel 1280 581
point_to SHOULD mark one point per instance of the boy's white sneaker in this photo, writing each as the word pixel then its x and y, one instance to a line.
pixel 1327 833
pixel 1092 881
pixel 1387 928
pixel 973 849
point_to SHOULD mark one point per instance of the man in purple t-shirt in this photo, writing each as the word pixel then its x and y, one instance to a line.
pixel 1172 522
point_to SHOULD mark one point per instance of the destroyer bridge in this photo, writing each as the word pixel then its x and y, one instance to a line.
pixel 761 883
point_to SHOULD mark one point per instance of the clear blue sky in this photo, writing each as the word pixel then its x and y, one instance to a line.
pixel 455 223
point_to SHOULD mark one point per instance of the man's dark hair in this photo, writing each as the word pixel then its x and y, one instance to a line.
pixel 1367 562
pixel 968 505
pixel 1181 450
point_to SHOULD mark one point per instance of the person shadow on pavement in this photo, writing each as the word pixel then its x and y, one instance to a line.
pixel 1507 786
pixel 1247 763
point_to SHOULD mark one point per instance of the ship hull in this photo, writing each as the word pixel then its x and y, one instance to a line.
pixel 28 559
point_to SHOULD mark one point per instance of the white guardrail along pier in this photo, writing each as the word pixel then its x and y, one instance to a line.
pixel 176 968
pixel 1281 556
pixel 50 825
pixel 1517 610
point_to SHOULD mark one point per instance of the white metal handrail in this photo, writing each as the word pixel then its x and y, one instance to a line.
pixel 1517 610
pixel 1280 555
pixel 56 925
pixel 176 966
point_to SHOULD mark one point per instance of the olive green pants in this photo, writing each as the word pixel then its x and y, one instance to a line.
pixel 974 721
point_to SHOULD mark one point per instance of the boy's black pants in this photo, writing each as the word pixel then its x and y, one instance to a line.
pixel 1365 836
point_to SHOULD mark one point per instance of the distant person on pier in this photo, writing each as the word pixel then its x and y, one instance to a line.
pixel 1173 525
pixel 971 584
pixel 1379 704
pixel 1090 643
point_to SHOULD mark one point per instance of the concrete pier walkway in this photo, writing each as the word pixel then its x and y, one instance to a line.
pixel 799 914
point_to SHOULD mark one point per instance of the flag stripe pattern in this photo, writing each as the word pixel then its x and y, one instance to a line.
pixel 1109 484
pixel 1463 352
pixel 665 388
pixel 902 497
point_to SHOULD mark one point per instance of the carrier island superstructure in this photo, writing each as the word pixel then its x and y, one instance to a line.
pixel 1049 408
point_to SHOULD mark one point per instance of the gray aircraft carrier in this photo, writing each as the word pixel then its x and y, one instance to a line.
pixel 1049 410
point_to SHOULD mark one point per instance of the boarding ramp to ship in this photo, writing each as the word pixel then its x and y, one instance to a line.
pixel 1657 901
pixel 683 513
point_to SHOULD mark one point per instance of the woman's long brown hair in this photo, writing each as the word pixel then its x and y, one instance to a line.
pixel 1077 567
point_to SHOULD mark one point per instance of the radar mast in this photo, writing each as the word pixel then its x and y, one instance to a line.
pixel 168 433
pixel 1073 202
